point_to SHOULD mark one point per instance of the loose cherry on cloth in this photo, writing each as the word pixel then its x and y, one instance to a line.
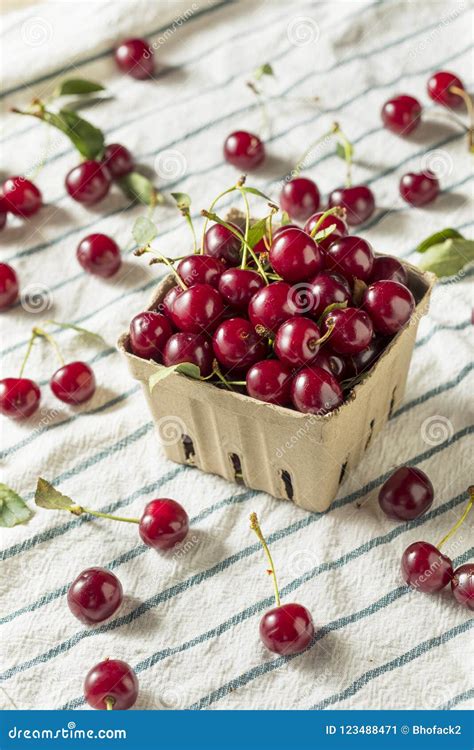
pixel 244 150
pixel 9 286
pixel 21 197
pixel 19 397
pixel 389 304
pixel 95 595
pixel 440 89
pixel 358 200
pixel 300 198
pixel 419 188
pixel 88 183
pixel 295 256
pixel 99 255
pixel 402 114
pixel 136 58
pixel 407 494
pixel 149 332
pixel 190 347
pixel 287 628
pixel 111 685
pixel 462 585
pixel 118 160
pixel 270 381
pixel 73 383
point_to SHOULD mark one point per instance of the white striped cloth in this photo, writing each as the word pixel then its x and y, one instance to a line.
pixel 189 623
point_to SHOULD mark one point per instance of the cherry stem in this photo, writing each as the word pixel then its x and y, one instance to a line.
pixel 190 224
pixel 240 236
pixel 162 259
pixel 27 353
pixel 324 338
pixel 211 207
pixel 347 146
pixel 77 510
pixel 255 526
pixel 301 161
pixel 216 371
pixel 109 702
pixel 247 224
pixel 266 121
pixel 456 526
pixel 470 111
pixel 335 211
pixel 51 341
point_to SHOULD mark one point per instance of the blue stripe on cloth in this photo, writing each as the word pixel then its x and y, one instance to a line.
pixel 456 700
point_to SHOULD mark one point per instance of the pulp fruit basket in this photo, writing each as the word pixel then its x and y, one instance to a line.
pixel 300 457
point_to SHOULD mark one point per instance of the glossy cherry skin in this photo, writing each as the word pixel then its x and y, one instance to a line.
pixel 166 305
pixel 358 201
pixel 99 255
pixel 118 160
pixel 315 391
pixel 73 383
pixel 94 595
pixel 340 229
pixel 353 330
pixel 200 269
pixel 333 363
pixel 356 364
pixel 244 150
pixel 407 494
pixel 189 347
pixel 295 256
pixel 389 304
pixel 287 629
pixel 388 268
pixel 419 188
pixel 197 309
pixel 271 306
pixel 425 568
pixel 149 332
pixel 402 114
pixel 111 678
pixel 238 285
pixel 236 345
pixel 439 89
pixel 270 381
pixel 88 183
pixel 220 242
pixel 164 524
pixel 462 585
pixel 136 58
pixel 352 257
pixel 21 196
pixel 19 397
pixel 297 342
pixel 8 286
pixel 300 198
pixel 328 288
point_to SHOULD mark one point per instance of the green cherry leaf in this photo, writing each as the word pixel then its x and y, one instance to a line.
pixel 144 231
pixel 255 191
pixel 13 509
pixel 78 86
pixel 264 70
pixel 439 237
pixel 139 188
pixel 449 257
pixel 256 232
pixel 285 218
pixel 183 200
pixel 184 368
pixel 88 139
pixel 46 496
pixel 323 233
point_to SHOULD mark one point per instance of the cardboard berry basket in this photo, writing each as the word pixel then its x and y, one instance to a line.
pixel 290 455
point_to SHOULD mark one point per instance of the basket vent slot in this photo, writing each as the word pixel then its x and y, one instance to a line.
pixel 343 471
pixel 287 483
pixel 371 430
pixel 392 402
pixel 188 445
pixel 237 467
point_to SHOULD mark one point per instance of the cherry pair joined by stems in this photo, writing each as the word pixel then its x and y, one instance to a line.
pixel 9 286
pixel 287 628
pixel 111 685
pixel 135 57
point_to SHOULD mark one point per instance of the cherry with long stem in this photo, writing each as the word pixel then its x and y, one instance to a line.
pixel 470 111
pixel 255 526
pixel 160 258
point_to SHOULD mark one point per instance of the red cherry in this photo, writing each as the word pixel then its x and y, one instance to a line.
pixel 189 347
pixel 439 86
pixel 356 364
pixel 297 342
pixel 236 345
pixel 340 230
pixel 358 201
pixel 118 160
pixel 331 362
pixel 353 330
pixel 164 524
pixel 270 381
pixel 200 269
pixel 326 289
pixel 300 198
pixel 220 242
pixel 388 268
pixel 135 57
pixel 166 305
pixel 402 114
pixel 287 629
pixel 99 255
pixel 407 494
pixel 315 391
pixel 352 257
pixel 425 568
pixel 73 383
pixel 21 197
pixel 389 304
pixel 295 256
pixel 419 188
pixel 197 309
pixel 114 680
pixel 149 332
pixel 238 285
pixel 88 183
pixel 94 595
pixel 244 150
pixel 19 397
pixel 271 306
pixel 8 286
pixel 462 585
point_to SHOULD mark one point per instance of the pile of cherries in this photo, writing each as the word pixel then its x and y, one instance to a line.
pixel 293 326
